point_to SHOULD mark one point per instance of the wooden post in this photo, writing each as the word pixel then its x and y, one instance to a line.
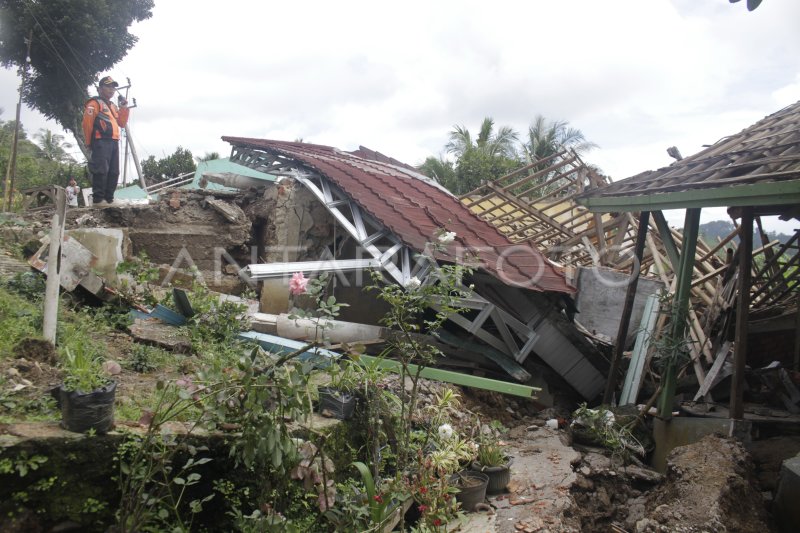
pixel 742 309
pixel 627 309
pixel 666 238
pixel 11 170
pixel 680 309
pixel 797 337
pixel 50 318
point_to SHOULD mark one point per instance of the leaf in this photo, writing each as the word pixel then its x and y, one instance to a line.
pixel 163 514
pixel 277 458
pixel 203 461
pixel 179 481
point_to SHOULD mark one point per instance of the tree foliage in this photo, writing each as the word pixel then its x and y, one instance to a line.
pixel 53 146
pixel 496 152
pixel 172 166
pixel 491 155
pixel 35 166
pixel 547 138
pixel 439 169
pixel 73 41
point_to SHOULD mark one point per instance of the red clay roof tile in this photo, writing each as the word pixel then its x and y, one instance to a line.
pixel 413 207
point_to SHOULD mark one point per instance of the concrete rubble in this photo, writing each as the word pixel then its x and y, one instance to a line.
pixel 709 485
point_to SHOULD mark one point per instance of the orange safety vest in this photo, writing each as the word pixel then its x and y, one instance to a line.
pixel 102 120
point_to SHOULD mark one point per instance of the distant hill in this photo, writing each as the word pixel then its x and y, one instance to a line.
pixel 712 231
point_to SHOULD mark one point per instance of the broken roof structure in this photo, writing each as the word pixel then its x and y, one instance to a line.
pixel 759 166
pixel 392 212
pixel 755 172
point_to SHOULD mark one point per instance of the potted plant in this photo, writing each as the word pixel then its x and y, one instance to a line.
pixel 337 399
pixel 495 463
pixel 87 393
pixel 470 488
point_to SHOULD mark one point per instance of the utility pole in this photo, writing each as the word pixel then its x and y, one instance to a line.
pixel 130 144
pixel 11 170
pixel 125 162
pixel 135 157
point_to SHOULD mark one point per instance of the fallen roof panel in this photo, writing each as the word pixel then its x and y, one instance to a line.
pixel 413 207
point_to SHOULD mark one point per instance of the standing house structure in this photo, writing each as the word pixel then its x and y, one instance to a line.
pixel 390 213
pixel 754 173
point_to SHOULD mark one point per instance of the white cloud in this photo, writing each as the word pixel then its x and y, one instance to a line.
pixel 635 77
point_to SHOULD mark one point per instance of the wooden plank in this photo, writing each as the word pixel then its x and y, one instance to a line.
pixel 719 245
pixel 719 360
pixel 667 239
pixel 742 308
pixel 630 295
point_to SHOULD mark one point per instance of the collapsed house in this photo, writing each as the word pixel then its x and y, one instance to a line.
pixel 754 173
pixel 388 213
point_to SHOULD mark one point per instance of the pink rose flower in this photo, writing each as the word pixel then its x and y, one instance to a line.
pixel 298 284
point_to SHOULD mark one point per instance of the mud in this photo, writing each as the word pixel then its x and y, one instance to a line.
pixel 709 486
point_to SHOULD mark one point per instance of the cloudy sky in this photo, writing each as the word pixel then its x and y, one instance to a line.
pixel 636 77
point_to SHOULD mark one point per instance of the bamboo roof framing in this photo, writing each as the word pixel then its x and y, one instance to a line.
pixel 536 204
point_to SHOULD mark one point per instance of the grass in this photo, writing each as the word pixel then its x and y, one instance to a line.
pixel 20 318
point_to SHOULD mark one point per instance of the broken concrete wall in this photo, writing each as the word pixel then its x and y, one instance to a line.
pixel 601 297
pixel 290 224
pixel 110 246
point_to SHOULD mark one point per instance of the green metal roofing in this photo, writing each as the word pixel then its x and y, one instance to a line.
pixel 135 192
pixel 224 165
pixel 131 192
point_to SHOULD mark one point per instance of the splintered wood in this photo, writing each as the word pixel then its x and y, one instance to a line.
pixel 536 204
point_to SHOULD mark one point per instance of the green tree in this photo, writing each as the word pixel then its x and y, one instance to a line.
pixel 491 155
pixel 439 169
pixel 495 143
pixel 171 166
pixel 477 166
pixel 34 167
pixel 208 156
pixel 53 146
pixel 72 41
pixel 547 138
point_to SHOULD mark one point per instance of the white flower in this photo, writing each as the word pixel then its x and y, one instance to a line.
pixel 413 283
pixel 447 237
pixel 445 431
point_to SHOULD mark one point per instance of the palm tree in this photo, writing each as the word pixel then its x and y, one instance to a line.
pixel 502 143
pixel 491 155
pixel 53 146
pixel 547 138
pixel 440 170
pixel 208 156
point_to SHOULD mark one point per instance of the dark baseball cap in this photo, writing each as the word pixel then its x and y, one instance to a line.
pixel 108 80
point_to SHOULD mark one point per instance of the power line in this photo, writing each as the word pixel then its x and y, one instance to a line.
pixel 54 27
pixel 53 47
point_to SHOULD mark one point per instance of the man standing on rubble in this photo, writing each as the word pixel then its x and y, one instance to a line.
pixel 101 123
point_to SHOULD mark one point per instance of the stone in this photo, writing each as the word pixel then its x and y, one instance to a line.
pixel 112 368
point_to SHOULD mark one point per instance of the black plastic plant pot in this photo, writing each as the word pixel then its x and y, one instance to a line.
pixel 84 411
pixel 499 476
pixel 471 487
pixel 334 403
